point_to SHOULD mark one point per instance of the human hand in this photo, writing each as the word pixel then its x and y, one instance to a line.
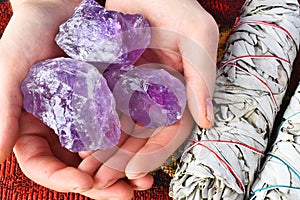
pixel 184 37
pixel 44 161
pixel 29 38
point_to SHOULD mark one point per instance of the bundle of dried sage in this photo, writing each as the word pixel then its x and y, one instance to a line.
pixel 220 163
pixel 280 175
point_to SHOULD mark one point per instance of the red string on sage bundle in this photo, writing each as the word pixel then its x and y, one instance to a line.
pixel 238 23
pixel 230 142
pixel 255 56
pixel 201 143
pixel 262 82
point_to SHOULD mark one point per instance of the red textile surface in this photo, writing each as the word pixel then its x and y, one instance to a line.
pixel 5 14
pixel 15 185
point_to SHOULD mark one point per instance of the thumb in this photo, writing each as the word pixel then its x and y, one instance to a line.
pixel 199 63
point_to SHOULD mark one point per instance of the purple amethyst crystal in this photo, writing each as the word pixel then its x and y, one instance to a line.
pixel 73 98
pixel 94 34
pixel 152 97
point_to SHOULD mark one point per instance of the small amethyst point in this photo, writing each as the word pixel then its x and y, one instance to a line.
pixel 151 97
pixel 94 34
pixel 72 98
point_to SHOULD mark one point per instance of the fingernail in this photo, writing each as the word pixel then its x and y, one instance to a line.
pixel 79 190
pixel 136 176
pixel 140 189
pixel 113 198
pixel 210 110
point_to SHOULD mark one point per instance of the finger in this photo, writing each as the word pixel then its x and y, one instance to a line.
pixel 120 190
pixel 113 169
pixel 143 183
pixel 199 62
pixel 30 125
pixel 92 161
pixel 159 147
pixel 39 164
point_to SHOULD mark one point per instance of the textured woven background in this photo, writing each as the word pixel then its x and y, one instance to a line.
pixel 13 183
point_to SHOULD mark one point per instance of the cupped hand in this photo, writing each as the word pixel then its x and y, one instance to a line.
pixel 44 161
pixel 184 38
pixel 29 38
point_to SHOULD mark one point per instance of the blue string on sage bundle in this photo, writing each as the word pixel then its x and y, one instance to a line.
pixel 279 177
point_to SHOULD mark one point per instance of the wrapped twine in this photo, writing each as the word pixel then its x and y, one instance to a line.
pixel 280 175
pixel 221 163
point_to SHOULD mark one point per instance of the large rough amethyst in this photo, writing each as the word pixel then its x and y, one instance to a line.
pixel 73 98
pixel 152 97
pixel 94 34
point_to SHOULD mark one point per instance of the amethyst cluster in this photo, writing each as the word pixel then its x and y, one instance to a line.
pixel 72 97
pixel 101 36
pixel 152 97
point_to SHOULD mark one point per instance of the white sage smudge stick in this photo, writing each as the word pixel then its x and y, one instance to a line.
pixel 280 175
pixel 221 163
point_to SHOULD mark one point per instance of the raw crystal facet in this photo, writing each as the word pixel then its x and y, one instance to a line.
pixel 152 97
pixel 94 34
pixel 73 98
